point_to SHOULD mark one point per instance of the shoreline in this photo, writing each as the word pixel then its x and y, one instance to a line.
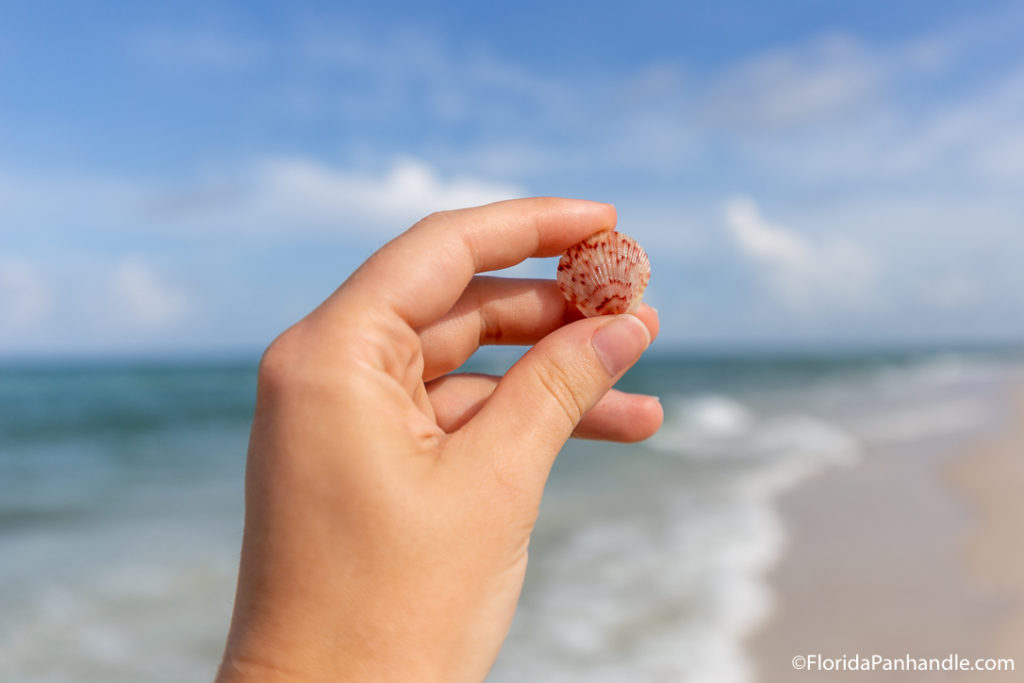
pixel 914 552
pixel 991 480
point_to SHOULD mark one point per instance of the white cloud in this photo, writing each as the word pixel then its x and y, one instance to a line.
pixel 410 189
pixel 912 147
pixel 831 109
pixel 289 195
pixel 803 275
pixel 274 195
pixel 794 87
pixel 25 296
pixel 142 299
pixel 58 303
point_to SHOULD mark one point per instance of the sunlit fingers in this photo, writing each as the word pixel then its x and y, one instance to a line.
pixel 422 272
pixel 492 310
pixel 618 416
pixel 495 310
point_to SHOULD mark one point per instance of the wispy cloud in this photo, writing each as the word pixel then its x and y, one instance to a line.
pixel 408 190
pixel 89 303
pixel 267 196
pixel 31 202
pixel 844 113
pixel 831 76
pixel 892 163
pixel 802 274
pixel 144 298
pixel 25 297
pixel 832 109
pixel 196 48
pixel 302 195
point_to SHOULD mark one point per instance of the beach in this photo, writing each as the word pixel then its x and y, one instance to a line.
pixel 840 503
pixel 992 479
pixel 915 553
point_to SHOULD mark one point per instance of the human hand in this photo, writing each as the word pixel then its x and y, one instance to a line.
pixel 389 505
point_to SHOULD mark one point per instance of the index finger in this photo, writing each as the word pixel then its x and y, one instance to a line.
pixel 421 273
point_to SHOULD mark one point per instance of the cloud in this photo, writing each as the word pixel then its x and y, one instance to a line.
pixel 404 69
pixel 409 189
pixel 30 202
pixel 200 49
pixel 802 275
pixel 844 113
pixel 25 296
pixel 285 196
pixel 900 152
pixel 59 303
pixel 830 76
pixel 290 195
pixel 831 109
pixel 141 299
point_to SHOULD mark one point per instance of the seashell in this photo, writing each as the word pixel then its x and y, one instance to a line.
pixel 605 274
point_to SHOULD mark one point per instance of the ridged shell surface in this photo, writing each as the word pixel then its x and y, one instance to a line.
pixel 605 274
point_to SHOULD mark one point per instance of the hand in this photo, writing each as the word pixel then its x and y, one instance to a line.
pixel 389 505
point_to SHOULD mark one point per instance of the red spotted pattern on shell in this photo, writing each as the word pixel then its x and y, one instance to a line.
pixel 605 274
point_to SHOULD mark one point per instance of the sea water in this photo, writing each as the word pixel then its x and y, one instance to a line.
pixel 121 510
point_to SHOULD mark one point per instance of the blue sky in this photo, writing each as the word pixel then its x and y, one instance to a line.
pixel 193 177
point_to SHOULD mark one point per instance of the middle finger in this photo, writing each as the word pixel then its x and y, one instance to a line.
pixel 496 310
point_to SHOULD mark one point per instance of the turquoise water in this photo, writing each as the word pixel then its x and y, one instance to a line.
pixel 121 504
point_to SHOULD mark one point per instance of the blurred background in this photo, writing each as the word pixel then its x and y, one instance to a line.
pixel 830 195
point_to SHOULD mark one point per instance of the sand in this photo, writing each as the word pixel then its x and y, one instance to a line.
pixel 992 481
pixel 918 551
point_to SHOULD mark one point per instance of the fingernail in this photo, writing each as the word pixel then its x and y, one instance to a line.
pixel 620 342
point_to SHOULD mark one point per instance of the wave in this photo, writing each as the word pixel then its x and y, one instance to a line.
pixel 948 370
pixel 716 426
pixel 668 587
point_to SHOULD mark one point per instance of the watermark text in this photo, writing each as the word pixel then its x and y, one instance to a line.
pixel 875 662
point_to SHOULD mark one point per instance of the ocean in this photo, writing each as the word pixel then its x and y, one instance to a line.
pixel 121 509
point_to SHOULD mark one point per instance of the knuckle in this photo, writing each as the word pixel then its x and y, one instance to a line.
pixel 435 219
pixel 278 366
pixel 565 388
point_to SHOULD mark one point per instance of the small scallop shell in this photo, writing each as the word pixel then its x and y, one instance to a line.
pixel 605 274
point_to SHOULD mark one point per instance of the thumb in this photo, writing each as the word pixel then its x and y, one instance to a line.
pixel 540 400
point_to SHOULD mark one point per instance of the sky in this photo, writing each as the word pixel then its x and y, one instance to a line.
pixel 193 177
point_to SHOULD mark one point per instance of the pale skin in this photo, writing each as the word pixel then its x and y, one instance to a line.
pixel 389 504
